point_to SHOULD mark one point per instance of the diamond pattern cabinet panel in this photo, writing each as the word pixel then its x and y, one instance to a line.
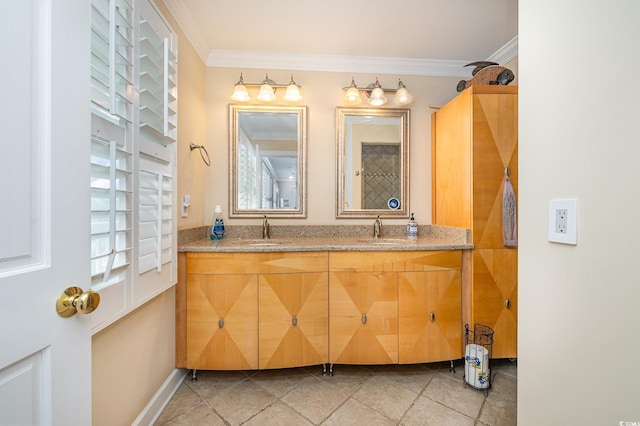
pixel 495 297
pixel 293 320
pixel 430 316
pixel 363 317
pixel 474 139
pixel 222 322
pixel 495 147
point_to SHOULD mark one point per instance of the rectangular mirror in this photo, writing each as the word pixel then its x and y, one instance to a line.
pixel 372 163
pixel 267 149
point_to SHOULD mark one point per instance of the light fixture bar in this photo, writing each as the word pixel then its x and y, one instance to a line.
pixel 403 97
pixel 267 90
pixel 271 83
pixel 366 89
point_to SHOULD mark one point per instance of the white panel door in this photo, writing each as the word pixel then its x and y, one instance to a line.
pixel 45 360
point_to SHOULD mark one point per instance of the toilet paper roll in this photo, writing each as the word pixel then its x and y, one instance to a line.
pixel 476 365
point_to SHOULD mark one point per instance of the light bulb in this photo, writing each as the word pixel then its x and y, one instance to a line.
pixel 352 96
pixel 293 93
pixel 266 93
pixel 377 97
pixel 403 97
pixel 240 93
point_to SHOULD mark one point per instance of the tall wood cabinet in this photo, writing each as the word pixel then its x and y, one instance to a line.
pixel 474 142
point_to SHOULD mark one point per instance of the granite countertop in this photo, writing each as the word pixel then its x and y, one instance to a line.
pixel 321 244
pixel 432 238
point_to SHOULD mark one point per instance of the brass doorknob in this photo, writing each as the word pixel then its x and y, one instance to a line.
pixel 74 300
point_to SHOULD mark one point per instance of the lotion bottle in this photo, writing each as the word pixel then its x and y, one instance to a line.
pixel 412 228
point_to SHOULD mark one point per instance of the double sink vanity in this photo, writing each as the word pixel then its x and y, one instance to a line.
pixel 345 298
pixel 312 295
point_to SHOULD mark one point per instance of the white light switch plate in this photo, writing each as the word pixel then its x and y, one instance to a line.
pixel 186 202
pixel 563 221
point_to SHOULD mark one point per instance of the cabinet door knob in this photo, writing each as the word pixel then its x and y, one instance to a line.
pixel 221 323
pixel 294 320
pixel 432 317
pixel 507 304
pixel 364 318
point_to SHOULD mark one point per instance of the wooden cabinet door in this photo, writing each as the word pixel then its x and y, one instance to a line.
pixel 222 322
pixel 430 316
pixel 293 319
pixel 495 297
pixel 495 148
pixel 363 318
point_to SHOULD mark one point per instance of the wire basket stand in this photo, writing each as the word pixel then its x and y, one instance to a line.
pixel 478 344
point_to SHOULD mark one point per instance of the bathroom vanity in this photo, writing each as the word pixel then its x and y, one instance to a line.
pixel 263 304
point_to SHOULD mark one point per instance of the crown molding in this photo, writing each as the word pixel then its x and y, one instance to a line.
pixel 188 26
pixel 335 63
pixel 322 62
pixel 506 53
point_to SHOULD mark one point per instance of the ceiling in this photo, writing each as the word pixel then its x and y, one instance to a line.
pixel 420 37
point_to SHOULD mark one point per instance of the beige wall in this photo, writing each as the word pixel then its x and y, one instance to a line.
pixel 322 92
pixel 133 357
pixel 578 305
pixel 191 128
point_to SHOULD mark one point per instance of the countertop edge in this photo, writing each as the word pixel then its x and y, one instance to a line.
pixel 239 245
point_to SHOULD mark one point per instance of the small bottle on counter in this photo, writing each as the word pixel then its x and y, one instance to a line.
pixel 412 228
pixel 217 230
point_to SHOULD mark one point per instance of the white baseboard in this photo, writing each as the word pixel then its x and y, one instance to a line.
pixel 160 399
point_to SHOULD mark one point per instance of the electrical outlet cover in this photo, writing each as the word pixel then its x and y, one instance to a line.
pixel 563 221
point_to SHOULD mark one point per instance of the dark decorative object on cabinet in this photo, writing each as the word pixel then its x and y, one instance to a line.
pixel 487 73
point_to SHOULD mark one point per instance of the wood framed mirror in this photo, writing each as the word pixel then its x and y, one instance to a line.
pixel 372 159
pixel 267 164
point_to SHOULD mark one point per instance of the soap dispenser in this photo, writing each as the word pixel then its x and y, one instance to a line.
pixel 217 230
pixel 412 228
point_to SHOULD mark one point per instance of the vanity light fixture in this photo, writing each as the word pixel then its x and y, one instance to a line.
pixel 376 94
pixel 352 95
pixel 267 91
pixel 240 93
pixel 293 92
pixel 377 98
pixel 403 97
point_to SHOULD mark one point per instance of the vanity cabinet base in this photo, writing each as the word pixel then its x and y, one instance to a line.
pixel 247 311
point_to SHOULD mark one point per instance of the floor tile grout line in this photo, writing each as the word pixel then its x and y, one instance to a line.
pixel 477 419
pixel 451 408
pixel 205 402
pixel 412 404
pixel 189 408
pixel 385 377
pixel 360 377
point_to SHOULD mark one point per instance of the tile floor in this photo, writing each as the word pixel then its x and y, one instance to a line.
pixel 424 394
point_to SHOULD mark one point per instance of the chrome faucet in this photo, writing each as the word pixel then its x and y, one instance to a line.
pixel 377 225
pixel 265 228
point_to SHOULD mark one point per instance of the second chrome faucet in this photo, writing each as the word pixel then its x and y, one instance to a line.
pixel 265 228
pixel 377 225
